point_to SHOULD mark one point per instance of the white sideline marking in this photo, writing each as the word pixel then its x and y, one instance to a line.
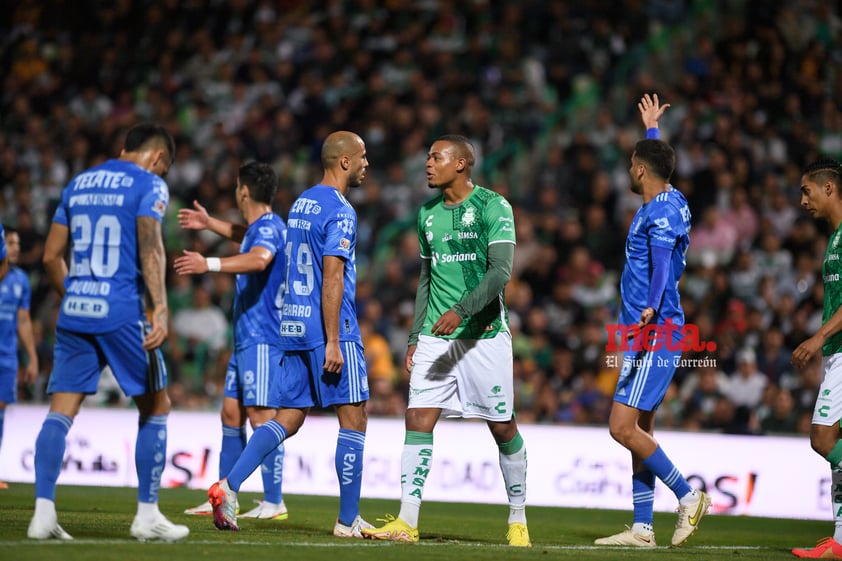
pixel 363 543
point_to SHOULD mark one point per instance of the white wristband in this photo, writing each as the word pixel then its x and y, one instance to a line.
pixel 214 264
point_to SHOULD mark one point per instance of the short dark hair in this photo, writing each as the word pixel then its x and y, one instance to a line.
pixel 464 146
pixel 824 169
pixel 139 136
pixel 658 156
pixel 261 180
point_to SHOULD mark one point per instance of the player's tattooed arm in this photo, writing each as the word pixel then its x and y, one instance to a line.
pixel 153 263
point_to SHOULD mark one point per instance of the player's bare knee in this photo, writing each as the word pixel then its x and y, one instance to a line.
pixel 503 431
pixel 421 419
pixel 821 444
pixel 621 432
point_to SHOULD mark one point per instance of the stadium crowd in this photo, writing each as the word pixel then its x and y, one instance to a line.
pixel 547 91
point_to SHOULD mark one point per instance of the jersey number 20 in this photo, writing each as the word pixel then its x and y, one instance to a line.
pixel 96 247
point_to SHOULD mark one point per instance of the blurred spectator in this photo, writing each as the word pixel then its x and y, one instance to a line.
pixel 199 334
pixel 747 384
pixel 783 415
pixel 713 241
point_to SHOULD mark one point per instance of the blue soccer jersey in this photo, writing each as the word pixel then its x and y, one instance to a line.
pixel 14 295
pixel 665 222
pixel 321 222
pixel 104 285
pixel 257 306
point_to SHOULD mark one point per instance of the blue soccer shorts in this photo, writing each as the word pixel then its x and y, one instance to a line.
pixel 250 374
pixel 646 374
pixel 80 357
pixel 8 383
pixel 303 382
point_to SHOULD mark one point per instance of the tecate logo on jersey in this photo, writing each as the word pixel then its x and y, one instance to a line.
pixel 306 206
pixel 654 337
pixel 103 179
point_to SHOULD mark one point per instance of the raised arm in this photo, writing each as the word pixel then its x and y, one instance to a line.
pixel 197 218
pixel 651 111
pixel 254 261
pixel 153 261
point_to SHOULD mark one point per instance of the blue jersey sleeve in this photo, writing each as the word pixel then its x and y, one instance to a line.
pixel 26 292
pixel 666 224
pixel 60 215
pixel 341 233
pixel 154 201
pixel 270 237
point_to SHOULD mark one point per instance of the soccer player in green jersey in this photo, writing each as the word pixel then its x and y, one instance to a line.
pixel 460 348
pixel 821 196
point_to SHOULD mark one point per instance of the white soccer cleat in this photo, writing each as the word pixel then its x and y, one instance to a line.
pixel 355 530
pixel 689 516
pixel 157 528
pixel 267 511
pixel 204 509
pixel 629 537
pixel 46 528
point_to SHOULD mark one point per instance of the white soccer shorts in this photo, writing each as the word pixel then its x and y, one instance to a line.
pixel 828 407
pixel 470 378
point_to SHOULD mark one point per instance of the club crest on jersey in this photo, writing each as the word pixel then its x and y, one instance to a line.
pixel 345 244
pixel 469 217
pixel 160 208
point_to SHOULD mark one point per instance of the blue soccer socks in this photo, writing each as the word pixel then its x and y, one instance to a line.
pixel 663 468
pixel 266 438
pixel 643 497
pixel 150 456
pixel 350 445
pixel 233 444
pixel 272 473
pixel 49 454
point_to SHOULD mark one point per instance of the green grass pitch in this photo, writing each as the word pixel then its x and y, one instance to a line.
pixel 99 520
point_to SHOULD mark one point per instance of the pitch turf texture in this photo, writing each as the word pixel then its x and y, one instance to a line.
pixel 99 519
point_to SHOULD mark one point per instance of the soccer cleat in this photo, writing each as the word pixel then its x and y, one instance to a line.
pixel 204 509
pixel 158 528
pixel 355 530
pixel 688 518
pixel 518 535
pixel 827 548
pixel 267 511
pixel 46 528
pixel 224 503
pixel 394 529
pixel 629 537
